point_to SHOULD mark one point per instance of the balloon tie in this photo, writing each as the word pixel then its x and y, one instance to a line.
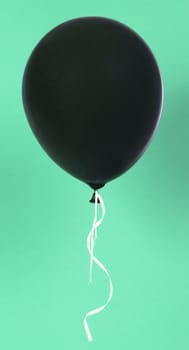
pixel 92 236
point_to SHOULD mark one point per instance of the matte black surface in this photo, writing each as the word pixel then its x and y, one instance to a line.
pixel 92 93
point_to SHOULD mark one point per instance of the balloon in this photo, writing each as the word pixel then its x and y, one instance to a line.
pixel 92 93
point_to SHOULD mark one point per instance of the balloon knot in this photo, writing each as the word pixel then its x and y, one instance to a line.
pixel 92 200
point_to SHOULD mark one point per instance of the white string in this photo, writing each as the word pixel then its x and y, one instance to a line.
pixel 92 236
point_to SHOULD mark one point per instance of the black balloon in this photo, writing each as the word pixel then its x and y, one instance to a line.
pixel 92 93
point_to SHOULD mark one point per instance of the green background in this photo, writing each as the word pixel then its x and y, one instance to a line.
pixel 45 215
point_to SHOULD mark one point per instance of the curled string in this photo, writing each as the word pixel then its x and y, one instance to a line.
pixel 92 236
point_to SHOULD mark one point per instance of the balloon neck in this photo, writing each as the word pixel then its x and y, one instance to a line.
pixel 94 186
